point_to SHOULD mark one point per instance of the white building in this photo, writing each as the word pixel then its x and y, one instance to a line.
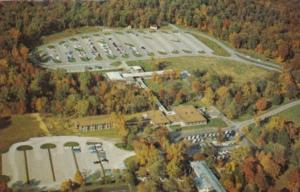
pixel 205 179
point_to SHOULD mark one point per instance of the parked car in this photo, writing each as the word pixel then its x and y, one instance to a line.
pixel 76 149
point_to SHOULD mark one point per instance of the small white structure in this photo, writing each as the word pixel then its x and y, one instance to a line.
pixel 153 27
pixel 115 76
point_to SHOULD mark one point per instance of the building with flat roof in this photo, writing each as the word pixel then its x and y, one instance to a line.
pixel 188 115
pixel 93 123
pixel 156 117
pixel 205 179
pixel 115 76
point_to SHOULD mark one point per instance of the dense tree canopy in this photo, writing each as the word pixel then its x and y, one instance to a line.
pixel 270 27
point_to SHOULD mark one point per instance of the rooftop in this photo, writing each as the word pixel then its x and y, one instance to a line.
pixel 157 117
pixel 99 119
pixel 115 76
pixel 189 114
pixel 205 179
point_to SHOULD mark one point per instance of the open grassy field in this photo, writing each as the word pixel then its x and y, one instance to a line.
pixel 156 86
pixel 111 133
pixel 63 126
pixel 70 32
pixel 19 128
pixel 293 114
pixel 235 69
pixel 218 50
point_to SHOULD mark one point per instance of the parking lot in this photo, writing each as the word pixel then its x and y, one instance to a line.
pixel 212 136
pixel 201 140
pixel 66 160
pixel 97 51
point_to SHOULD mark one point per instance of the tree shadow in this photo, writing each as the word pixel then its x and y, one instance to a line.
pixel 5 122
pixel 93 177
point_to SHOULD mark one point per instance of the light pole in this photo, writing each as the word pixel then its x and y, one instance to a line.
pixel 101 157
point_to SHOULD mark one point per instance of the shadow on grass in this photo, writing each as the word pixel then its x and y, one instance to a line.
pixel 5 122
pixel 32 186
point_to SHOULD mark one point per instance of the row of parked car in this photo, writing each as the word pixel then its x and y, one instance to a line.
pixel 93 48
pixel 93 148
pixel 223 154
pixel 228 135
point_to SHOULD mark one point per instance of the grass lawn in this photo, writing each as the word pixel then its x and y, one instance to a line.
pixel 70 32
pixel 19 128
pixel 254 132
pixel 292 114
pixel 218 123
pixel 213 65
pixel 249 115
pixel 116 63
pixel 244 117
pixel 122 146
pixel 215 47
pixel 254 54
pixel 218 50
pixel 112 133
pixel 156 86
pixel 63 126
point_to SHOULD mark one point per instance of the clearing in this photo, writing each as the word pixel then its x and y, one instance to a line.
pixel 292 114
pixel 235 69
pixel 19 128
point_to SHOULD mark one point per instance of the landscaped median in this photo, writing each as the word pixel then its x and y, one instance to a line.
pixel 25 148
pixel 50 146
pixel 72 144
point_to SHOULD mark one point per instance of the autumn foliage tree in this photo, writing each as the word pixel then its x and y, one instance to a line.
pixel 261 104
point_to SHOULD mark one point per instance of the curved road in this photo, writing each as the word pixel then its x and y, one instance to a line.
pixel 238 56
pixel 268 114
pixel 237 126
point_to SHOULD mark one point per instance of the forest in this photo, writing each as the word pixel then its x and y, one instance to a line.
pixel 269 27
pixel 274 166
pixel 265 26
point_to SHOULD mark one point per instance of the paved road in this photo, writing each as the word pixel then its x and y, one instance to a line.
pixel 268 114
pixel 237 126
pixel 234 55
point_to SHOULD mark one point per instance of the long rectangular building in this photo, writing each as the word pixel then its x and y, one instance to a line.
pixel 93 123
pixel 205 179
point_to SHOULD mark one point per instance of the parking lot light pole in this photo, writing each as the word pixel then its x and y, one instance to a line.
pixel 75 159
pixel 26 167
pixel 100 162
